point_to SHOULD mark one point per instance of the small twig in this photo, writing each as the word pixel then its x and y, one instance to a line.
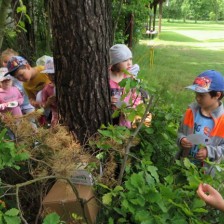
pixel 129 143
pixel 40 161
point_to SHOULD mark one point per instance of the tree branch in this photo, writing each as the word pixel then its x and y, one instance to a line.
pixel 129 143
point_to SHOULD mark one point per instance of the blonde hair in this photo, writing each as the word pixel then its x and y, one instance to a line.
pixel 8 52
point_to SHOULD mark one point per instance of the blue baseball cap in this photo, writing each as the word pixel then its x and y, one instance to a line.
pixel 14 63
pixel 208 81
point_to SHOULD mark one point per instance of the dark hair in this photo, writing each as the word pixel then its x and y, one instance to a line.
pixel 214 93
pixel 115 68
pixel 14 72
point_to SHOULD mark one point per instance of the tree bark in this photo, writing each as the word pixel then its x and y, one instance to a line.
pixel 160 15
pixel 5 5
pixel 82 36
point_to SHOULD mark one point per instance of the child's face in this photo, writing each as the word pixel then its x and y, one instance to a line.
pixel 125 65
pixel 7 83
pixel 5 59
pixel 206 101
pixel 23 74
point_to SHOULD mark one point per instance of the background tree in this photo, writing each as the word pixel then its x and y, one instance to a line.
pixel 82 36
pixel 4 7
pixel 130 18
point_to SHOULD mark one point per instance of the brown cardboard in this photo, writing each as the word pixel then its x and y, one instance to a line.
pixel 62 200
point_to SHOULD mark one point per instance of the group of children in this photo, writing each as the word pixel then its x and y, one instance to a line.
pixel 204 118
pixel 24 88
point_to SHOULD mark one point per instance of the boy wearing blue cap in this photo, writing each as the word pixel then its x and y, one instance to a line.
pixel 33 80
pixel 204 120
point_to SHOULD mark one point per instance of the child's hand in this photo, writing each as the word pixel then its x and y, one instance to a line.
pixel 51 100
pixel 114 99
pixel 211 196
pixel 202 154
pixel 3 106
pixel 185 143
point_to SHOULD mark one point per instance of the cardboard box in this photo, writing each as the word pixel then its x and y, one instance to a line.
pixel 62 200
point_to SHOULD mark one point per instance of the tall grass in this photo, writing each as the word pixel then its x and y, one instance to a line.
pixel 181 52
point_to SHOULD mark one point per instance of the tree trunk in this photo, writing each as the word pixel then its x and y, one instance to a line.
pixel 129 26
pixel 82 36
pixel 154 16
pixel 160 15
pixel 5 5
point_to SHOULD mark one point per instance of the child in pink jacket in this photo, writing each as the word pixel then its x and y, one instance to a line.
pixel 120 60
pixel 10 96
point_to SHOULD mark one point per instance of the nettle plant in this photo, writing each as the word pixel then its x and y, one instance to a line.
pixel 146 198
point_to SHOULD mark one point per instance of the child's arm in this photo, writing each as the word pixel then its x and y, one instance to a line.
pixel 20 97
pixel 215 152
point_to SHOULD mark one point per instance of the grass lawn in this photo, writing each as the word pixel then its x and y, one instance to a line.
pixel 181 52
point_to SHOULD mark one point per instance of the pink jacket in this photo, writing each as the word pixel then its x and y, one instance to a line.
pixel 11 94
pixel 131 99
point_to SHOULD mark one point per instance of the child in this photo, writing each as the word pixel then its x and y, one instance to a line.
pixel 211 196
pixel 26 107
pixel 48 92
pixel 10 97
pixel 120 60
pixel 33 80
pixel 205 118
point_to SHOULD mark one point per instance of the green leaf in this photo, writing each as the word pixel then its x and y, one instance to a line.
pixel 118 188
pixel 21 9
pixel 161 204
pixel 107 199
pixel 110 221
pixel 137 180
pixel 138 201
pixel 187 163
pixel 12 219
pixel 153 171
pixel 154 196
pixel 116 113
pixel 12 212
pixel 142 215
pixel 198 203
pixel 52 218
pixel 169 179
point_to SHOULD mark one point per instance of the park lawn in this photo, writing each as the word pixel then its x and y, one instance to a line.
pixel 181 52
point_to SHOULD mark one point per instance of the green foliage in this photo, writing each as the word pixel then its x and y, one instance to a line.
pixel 193 9
pixel 10 216
pixel 10 155
pixel 52 218
pixel 145 198
pixel 121 14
